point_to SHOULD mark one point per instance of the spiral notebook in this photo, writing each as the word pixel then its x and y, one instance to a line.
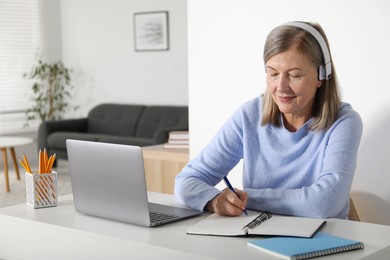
pixel 303 248
pixel 256 223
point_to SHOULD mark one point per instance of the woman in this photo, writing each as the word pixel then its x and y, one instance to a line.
pixel 298 142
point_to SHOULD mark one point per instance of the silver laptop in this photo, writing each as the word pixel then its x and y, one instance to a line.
pixel 108 181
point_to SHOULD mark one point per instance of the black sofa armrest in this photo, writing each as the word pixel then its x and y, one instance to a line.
pixel 68 125
pixel 162 134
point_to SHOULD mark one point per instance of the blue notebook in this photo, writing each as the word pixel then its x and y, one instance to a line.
pixel 303 248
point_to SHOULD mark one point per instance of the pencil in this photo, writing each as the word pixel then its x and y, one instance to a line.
pixel 24 166
pixel 40 168
pixel 47 165
pixel 27 163
pixel 50 163
pixel 45 158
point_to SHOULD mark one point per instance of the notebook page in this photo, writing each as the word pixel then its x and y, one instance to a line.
pixel 222 225
pixel 288 226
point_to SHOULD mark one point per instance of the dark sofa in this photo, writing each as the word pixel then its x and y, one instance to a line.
pixel 114 123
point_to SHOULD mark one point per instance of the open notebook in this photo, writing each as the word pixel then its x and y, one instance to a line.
pixel 256 223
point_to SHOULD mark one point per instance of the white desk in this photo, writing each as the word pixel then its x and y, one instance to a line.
pixel 60 232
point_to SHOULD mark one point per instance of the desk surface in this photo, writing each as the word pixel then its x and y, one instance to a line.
pixel 66 233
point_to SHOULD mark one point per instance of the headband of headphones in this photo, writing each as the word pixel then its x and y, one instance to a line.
pixel 325 70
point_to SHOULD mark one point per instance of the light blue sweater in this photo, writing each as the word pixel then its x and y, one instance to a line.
pixel 302 173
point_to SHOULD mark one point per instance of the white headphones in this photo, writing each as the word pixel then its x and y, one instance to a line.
pixel 325 70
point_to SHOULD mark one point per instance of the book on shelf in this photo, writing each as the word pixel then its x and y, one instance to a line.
pixel 256 224
pixel 179 135
pixel 178 140
pixel 303 248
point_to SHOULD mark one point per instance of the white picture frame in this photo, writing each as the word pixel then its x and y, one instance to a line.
pixel 151 31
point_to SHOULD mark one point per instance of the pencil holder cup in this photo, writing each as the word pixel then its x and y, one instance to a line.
pixel 41 189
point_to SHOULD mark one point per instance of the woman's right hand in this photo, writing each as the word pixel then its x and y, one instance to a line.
pixel 228 203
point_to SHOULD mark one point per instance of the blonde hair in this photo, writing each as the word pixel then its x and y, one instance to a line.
pixel 327 98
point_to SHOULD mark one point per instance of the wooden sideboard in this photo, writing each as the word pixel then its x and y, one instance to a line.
pixel 161 167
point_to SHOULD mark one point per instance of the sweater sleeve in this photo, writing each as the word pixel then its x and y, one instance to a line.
pixel 328 195
pixel 195 183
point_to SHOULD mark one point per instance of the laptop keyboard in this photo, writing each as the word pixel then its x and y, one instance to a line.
pixel 159 217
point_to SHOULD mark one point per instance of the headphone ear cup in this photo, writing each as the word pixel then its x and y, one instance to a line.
pixel 321 72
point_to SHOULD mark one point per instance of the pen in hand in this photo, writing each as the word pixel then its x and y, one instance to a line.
pixel 227 182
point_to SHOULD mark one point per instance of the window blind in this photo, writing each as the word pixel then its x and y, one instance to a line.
pixel 21 37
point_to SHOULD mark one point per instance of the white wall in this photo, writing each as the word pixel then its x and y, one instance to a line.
pixel 225 44
pixel 95 39
pixel 51 24
pixel 98 44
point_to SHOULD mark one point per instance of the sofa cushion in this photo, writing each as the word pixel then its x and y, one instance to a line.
pixel 114 119
pixel 57 140
pixel 156 117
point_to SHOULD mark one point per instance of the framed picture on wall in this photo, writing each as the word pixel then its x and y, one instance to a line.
pixel 151 31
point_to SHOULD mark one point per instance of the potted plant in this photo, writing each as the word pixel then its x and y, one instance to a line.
pixel 51 90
